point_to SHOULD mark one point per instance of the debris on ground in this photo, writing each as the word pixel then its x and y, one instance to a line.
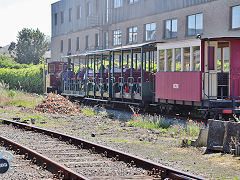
pixel 57 104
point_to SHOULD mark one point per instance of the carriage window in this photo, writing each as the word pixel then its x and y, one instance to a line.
pixel 169 60
pixel 196 58
pixel 219 59
pixel 226 58
pixel 186 66
pixel 178 59
pixel 161 60
pixel 52 68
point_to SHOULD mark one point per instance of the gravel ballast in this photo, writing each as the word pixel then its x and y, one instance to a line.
pixel 149 144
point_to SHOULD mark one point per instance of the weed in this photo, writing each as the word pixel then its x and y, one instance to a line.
pixel 149 122
pixel 89 111
pixel 11 93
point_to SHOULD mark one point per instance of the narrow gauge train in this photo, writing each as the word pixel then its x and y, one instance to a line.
pixel 202 73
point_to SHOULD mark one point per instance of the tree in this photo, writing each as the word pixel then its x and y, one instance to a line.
pixel 31 46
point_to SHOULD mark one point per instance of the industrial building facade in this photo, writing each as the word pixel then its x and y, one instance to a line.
pixel 79 26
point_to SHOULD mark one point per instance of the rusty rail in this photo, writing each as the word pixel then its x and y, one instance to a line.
pixel 155 169
pixel 60 171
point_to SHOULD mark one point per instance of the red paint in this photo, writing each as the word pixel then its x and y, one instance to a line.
pixel 227 111
pixel 235 66
pixel 211 58
pixel 184 86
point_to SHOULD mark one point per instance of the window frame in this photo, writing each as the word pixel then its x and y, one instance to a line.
pixel 145 34
pixel 78 44
pixel 70 15
pixel 79 12
pixel 55 19
pixel 133 33
pixel 117 37
pixel 133 1
pixel 97 42
pixel 61 46
pixel 62 17
pixel 231 16
pixel 171 28
pixel 69 44
pixel 86 42
pixel 117 3
pixel 195 24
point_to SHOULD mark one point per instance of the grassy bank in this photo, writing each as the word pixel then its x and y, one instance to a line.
pixel 17 97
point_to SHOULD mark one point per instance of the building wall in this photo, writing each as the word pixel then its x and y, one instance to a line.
pixel 216 21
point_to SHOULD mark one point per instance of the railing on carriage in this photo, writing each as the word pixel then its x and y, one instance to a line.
pixel 221 86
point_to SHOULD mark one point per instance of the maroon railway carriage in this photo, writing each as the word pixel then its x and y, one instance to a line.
pixel 202 73
pixel 55 71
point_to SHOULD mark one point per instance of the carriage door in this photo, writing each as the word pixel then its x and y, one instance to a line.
pixel 217 61
pixel 223 62
pixel 210 79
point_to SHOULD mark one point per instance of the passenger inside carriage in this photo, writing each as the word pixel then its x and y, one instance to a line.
pixel 127 69
pixel 101 69
pixel 67 76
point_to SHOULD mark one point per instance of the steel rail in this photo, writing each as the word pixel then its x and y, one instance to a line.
pixel 59 170
pixel 154 169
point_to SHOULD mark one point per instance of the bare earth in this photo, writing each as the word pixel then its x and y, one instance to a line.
pixel 153 145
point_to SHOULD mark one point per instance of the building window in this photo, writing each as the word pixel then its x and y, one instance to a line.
pixel 235 17
pixel 55 19
pixel 96 40
pixel 132 35
pixel 61 46
pixel 89 9
pixel 117 37
pixel 150 30
pixel 78 44
pixel 105 40
pixel 86 42
pixel 132 1
pixel 117 3
pixel 171 28
pixel 62 17
pixel 195 24
pixel 70 14
pixel 69 45
pixel 79 12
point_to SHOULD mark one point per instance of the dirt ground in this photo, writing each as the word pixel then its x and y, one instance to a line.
pixel 153 145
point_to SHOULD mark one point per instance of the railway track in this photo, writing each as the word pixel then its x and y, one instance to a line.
pixel 73 158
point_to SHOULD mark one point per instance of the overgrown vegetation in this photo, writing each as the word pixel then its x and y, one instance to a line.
pixel 16 97
pixel 21 76
pixel 190 129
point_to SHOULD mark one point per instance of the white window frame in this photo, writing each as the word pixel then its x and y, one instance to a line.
pixel 195 24
pixel 117 37
pixel 151 29
pixel 238 6
pixel 171 28
pixel 176 45
pixel 132 33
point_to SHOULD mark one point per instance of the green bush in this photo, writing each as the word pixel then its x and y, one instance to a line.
pixel 24 77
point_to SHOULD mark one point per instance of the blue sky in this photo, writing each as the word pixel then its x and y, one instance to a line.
pixel 18 14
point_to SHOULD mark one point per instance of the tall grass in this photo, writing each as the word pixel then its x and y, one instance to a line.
pixel 149 122
pixel 190 129
pixel 17 97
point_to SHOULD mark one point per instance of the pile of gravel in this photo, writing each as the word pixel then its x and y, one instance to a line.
pixel 57 104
